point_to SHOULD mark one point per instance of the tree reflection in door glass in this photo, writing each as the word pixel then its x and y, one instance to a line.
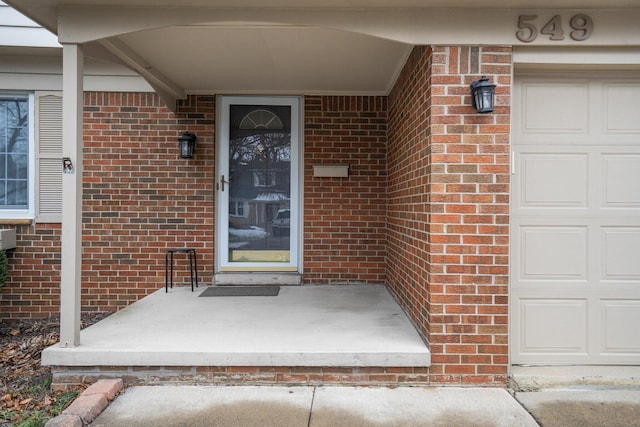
pixel 260 190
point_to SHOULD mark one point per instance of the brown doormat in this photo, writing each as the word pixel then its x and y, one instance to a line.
pixel 241 291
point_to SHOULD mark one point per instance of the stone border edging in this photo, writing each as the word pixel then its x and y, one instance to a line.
pixel 86 407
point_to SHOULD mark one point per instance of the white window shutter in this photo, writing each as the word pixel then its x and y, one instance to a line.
pixel 48 156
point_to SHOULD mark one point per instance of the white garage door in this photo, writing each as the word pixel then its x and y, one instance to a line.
pixel 575 220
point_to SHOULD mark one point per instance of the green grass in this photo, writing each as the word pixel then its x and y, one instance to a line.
pixel 63 400
pixel 41 386
pixel 36 419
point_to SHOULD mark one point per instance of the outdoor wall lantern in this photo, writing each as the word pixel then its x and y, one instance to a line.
pixel 187 145
pixel 482 95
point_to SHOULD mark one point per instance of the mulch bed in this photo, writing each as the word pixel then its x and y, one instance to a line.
pixel 24 383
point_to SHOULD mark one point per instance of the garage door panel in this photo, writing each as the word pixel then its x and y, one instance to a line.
pixel 554 180
pixel 621 179
pixel 622 108
pixel 554 326
pixel 553 253
pixel 620 332
pixel 621 254
pixel 575 221
pixel 555 108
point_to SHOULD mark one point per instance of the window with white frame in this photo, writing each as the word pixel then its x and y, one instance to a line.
pixel 30 156
pixel 16 155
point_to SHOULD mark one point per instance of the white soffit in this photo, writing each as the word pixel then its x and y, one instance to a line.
pixel 268 58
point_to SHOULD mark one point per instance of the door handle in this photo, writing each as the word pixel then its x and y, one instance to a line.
pixel 222 182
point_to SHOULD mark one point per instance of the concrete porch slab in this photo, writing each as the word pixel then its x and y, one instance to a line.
pixel 344 325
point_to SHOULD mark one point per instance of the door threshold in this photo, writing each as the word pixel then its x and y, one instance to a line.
pixel 258 278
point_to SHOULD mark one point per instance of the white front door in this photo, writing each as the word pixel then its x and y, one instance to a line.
pixel 575 220
pixel 258 214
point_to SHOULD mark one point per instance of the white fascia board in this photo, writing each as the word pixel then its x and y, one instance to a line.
pixel 33 82
pixel 419 26
pixel 45 73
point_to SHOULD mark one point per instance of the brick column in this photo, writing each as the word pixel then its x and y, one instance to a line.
pixel 449 209
pixel 469 220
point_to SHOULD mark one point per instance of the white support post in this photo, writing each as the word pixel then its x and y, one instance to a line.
pixel 71 258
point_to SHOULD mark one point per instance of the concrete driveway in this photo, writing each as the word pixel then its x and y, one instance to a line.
pixel 585 396
pixel 582 407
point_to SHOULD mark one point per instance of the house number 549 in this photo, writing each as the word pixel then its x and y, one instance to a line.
pixel 581 26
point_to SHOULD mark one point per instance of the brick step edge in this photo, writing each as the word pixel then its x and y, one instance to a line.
pixel 91 402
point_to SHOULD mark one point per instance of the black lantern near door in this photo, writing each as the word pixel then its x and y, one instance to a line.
pixel 187 144
pixel 482 95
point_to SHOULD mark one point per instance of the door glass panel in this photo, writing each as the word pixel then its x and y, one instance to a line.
pixel 259 226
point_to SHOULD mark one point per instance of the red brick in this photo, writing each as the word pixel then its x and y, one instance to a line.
pixel 87 407
pixel 106 387
pixel 426 204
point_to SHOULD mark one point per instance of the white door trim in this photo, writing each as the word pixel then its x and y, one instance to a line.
pixel 222 165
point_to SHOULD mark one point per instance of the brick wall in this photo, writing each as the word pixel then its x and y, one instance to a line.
pixel 141 198
pixel 33 284
pixel 448 209
pixel 344 223
pixel 408 199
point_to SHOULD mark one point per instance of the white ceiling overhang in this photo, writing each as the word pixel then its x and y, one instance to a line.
pixel 295 46
pixel 277 59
